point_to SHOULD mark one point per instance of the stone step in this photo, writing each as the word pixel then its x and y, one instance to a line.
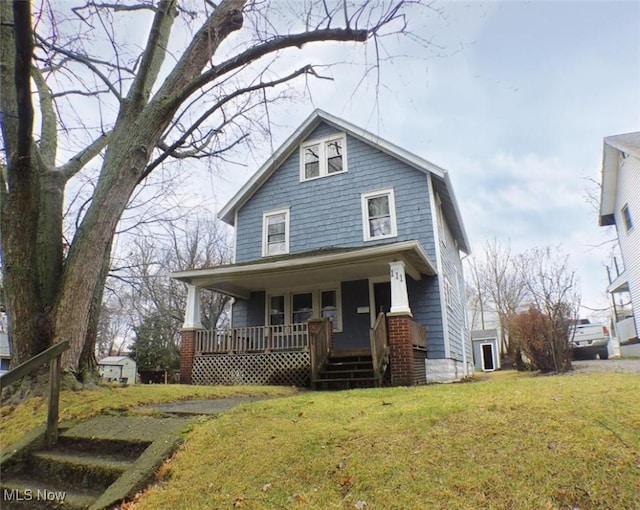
pixel 115 449
pixel 23 492
pixel 84 470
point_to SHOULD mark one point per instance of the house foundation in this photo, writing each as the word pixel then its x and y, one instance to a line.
pixel 447 370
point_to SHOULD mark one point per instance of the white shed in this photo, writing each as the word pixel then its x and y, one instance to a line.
pixel 118 368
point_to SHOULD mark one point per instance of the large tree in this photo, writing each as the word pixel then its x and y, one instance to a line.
pixel 126 106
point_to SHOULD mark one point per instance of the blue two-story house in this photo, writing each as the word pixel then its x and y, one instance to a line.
pixel 347 268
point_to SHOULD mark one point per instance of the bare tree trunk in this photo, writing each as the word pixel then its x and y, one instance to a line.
pixel 49 244
pixel 19 194
pixel 87 364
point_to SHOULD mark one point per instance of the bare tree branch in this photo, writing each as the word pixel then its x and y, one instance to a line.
pixel 77 162
pixel 83 59
pixel 226 99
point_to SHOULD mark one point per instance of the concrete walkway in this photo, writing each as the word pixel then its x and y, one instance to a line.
pixel 203 407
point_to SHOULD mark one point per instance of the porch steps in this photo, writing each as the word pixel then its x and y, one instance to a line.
pixel 346 371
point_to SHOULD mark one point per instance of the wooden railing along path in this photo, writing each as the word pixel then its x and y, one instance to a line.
pixel 52 356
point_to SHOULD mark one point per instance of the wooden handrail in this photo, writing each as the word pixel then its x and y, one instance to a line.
pixel 320 347
pixel 379 347
pixel 52 355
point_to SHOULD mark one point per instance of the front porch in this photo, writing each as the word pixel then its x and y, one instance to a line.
pixel 303 355
pixel 293 318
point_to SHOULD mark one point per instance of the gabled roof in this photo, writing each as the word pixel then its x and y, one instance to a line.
pixel 628 143
pixel 113 360
pixel 441 176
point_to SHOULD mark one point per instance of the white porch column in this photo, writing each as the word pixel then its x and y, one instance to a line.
pixel 399 294
pixel 192 313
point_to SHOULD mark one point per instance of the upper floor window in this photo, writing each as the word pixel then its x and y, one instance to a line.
pixel 275 232
pixel 626 216
pixel 323 157
pixel 379 215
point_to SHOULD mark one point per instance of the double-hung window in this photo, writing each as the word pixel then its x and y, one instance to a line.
pixel 379 215
pixel 323 157
pixel 298 307
pixel 275 232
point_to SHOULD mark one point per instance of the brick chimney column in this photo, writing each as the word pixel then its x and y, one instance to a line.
pixel 400 349
pixel 191 325
pixel 187 354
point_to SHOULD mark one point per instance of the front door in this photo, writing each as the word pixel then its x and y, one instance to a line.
pixel 381 297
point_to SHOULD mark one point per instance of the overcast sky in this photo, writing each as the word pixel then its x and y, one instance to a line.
pixel 513 99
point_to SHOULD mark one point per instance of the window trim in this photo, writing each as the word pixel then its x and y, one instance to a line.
pixel 626 217
pixel 323 163
pixel 316 297
pixel 364 199
pixel 265 231
pixel 448 292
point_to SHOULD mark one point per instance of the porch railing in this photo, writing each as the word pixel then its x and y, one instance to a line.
pixel 319 348
pixel 418 336
pixel 253 339
pixel 379 347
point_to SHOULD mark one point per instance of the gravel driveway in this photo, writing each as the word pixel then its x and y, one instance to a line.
pixel 620 365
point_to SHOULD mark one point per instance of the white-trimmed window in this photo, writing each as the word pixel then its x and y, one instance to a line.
pixel 275 232
pixel 302 305
pixel 379 215
pixel 323 157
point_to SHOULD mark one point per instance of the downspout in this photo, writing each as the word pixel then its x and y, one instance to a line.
pixel 466 321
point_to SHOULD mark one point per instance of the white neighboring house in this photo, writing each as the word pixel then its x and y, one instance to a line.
pixel 118 368
pixel 620 206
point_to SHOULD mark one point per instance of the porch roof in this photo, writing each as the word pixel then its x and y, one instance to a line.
pixel 310 268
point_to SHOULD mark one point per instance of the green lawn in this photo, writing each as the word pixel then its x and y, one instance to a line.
pixel 508 442
pixel 77 405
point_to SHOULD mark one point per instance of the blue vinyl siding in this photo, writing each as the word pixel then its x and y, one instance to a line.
pixel 239 313
pixel 249 312
pixel 456 313
pixel 424 299
pixel 326 212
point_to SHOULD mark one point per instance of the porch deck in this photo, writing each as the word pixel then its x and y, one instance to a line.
pixel 281 355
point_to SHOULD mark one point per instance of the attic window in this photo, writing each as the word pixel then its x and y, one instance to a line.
pixel 323 157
